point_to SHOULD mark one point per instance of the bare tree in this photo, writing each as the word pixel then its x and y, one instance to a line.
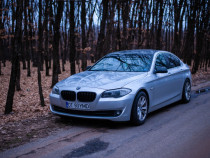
pixel 46 30
pixel 101 36
pixel 72 39
pixel 39 55
pixel 83 24
pixel 178 5
pixel 15 57
pixel 56 39
pixel 189 39
pixel 161 7
pixel 201 26
pixel 1 34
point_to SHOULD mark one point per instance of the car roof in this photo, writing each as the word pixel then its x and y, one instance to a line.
pixel 136 51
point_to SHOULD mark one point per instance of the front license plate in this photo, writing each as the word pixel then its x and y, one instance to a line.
pixel 73 105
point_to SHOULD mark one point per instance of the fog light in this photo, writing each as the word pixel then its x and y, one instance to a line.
pixel 118 112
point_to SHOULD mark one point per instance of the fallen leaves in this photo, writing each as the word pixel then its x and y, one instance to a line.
pixel 26 102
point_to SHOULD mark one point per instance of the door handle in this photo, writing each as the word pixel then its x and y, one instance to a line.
pixel 152 88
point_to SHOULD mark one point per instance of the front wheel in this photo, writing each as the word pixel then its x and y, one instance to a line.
pixel 140 109
pixel 186 93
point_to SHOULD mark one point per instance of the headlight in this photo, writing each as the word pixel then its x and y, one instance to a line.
pixel 55 90
pixel 117 93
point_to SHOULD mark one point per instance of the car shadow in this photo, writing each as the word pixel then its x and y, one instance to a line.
pixel 165 109
pixel 94 123
pixel 91 123
pixel 169 107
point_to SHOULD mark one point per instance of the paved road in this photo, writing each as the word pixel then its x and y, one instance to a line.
pixel 176 131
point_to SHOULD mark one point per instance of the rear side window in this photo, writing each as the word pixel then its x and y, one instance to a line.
pixel 172 61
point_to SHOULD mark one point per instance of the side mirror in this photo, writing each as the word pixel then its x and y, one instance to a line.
pixel 87 68
pixel 159 69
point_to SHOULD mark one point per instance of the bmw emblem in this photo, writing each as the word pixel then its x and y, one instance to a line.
pixel 78 88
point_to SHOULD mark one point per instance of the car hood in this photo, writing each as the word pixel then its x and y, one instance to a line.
pixel 102 80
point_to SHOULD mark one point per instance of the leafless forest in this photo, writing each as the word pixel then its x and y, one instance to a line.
pixel 43 32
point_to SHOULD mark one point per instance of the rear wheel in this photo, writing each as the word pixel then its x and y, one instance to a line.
pixel 186 93
pixel 140 109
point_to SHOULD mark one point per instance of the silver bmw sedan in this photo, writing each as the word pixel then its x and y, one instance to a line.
pixel 123 86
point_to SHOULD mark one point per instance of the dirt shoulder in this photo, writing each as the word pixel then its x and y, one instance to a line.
pixel 30 121
pixel 19 132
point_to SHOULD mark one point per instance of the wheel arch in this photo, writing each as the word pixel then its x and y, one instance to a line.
pixel 187 78
pixel 140 90
pixel 145 91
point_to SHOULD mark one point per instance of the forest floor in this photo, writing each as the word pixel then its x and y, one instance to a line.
pixel 29 120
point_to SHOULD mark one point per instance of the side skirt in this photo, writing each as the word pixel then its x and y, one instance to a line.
pixel 165 103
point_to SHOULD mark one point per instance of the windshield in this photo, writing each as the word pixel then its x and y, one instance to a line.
pixel 124 63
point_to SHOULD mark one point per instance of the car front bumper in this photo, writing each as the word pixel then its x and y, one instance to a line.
pixel 114 109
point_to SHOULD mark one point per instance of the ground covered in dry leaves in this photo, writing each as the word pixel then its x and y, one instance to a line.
pixel 29 120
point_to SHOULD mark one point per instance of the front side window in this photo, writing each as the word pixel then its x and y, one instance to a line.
pixel 124 63
pixel 161 61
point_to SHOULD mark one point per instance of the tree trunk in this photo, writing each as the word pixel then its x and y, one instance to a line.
pixel 181 29
pixel 140 41
pixel 159 37
pixel 50 50
pixel 101 36
pixel 15 58
pixel 39 55
pixel 0 68
pixel 148 12
pixel 56 39
pixel 72 53
pixel 189 40
pixel 83 23
pixel 118 27
pixel 200 27
pixel 18 75
pixel 31 17
pixel 110 37
pixel 125 16
pixel 177 11
pixel 154 14
pixel 62 54
pixel 91 21
pixel 27 38
pixel 65 38
pixel 45 26
pixel 23 59
pixel 1 35
pixel 20 53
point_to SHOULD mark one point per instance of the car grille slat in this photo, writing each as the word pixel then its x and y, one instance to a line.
pixel 68 95
pixel 86 96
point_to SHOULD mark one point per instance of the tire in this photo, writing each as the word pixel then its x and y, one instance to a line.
pixel 186 92
pixel 139 109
